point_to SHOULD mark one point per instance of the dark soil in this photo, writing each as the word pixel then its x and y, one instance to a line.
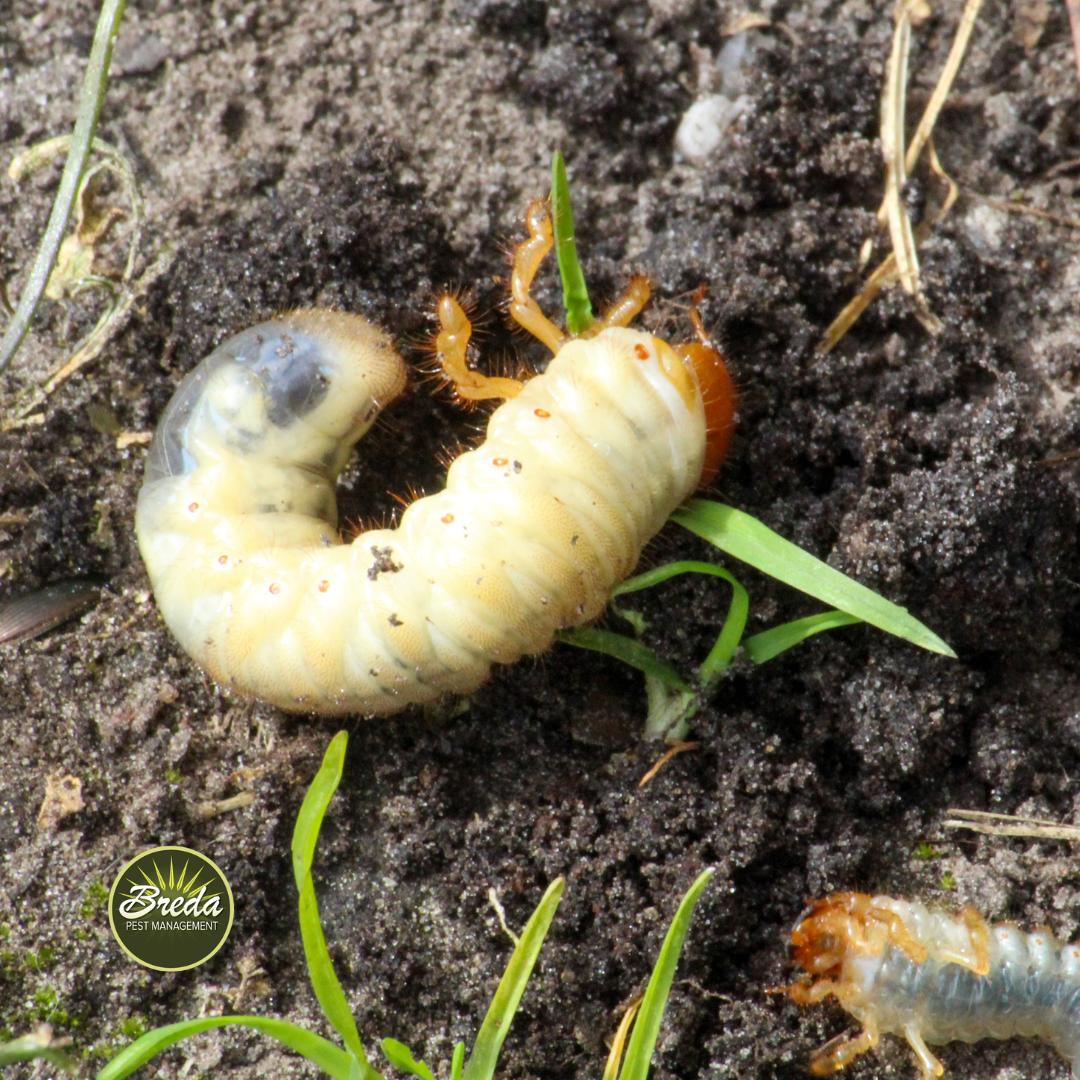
pixel 365 154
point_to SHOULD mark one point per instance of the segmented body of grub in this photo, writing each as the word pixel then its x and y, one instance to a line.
pixel 581 466
pixel 933 977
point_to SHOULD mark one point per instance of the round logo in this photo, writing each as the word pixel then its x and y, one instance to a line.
pixel 171 909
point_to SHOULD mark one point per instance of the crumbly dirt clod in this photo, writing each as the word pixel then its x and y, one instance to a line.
pixel 366 155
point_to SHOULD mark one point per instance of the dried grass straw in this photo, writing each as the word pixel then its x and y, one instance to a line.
pixel 1034 828
pixel 903 263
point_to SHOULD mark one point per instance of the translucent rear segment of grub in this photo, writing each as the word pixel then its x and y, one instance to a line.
pixel 237 522
pixel 901 968
pixel 275 408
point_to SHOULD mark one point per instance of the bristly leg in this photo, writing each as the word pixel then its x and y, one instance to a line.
pixel 451 349
pixel 528 256
pixel 635 296
pixel 842 1051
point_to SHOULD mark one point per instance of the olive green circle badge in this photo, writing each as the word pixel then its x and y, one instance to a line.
pixel 171 909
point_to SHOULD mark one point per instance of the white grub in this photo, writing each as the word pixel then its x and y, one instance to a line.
pixel 581 466
pixel 901 968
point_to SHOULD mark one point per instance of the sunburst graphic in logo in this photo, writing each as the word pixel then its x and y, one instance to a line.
pixel 171 889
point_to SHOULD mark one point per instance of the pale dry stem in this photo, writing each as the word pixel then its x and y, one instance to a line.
pixel 903 263
pixel 1037 828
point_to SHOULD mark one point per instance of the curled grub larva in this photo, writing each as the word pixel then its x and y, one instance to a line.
pixel 933 977
pixel 30 616
pixel 237 520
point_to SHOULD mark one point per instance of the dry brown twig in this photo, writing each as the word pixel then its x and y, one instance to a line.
pixel 678 748
pixel 1035 828
pixel 903 263
pixel 893 106
pixel 944 83
pixel 76 271
pixel 1031 211
pixel 887 272
pixel 109 325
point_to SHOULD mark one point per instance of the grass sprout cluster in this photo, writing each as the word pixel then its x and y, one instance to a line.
pixel 673 700
pixel 348 1060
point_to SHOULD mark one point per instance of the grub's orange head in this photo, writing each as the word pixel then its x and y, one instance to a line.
pixel 826 931
pixel 717 392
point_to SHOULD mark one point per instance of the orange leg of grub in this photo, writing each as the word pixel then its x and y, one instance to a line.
pixel 930 1064
pixel 528 256
pixel 842 1051
pixel 980 940
pixel 622 312
pixel 807 993
pixel 451 347
pixel 695 317
pixel 899 933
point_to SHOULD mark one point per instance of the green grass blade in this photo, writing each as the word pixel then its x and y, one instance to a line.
pixel 326 1056
pixel 313 809
pixel 647 1026
pixel 489 1040
pixel 625 649
pixel 745 538
pixel 579 315
pixel 770 643
pixel 659 574
pixel 401 1057
pixel 324 980
pixel 90 102
pixel 719 658
pixel 29 1047
pixel 458 1061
